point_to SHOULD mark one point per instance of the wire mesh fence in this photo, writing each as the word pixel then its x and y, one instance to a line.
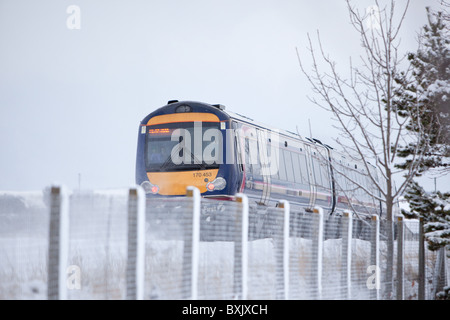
pixel 411 260
pixel 221 250
pixel 168 249
pixel 116 244
pixel 302 257
pixel 361 261
pixel 97 253
pixel 334 272
pixel 24 244
pixel 266 256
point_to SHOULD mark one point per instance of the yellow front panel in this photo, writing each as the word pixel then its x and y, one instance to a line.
pixel 183 117
pixel 175 183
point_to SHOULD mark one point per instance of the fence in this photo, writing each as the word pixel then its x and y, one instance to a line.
pixel 119 245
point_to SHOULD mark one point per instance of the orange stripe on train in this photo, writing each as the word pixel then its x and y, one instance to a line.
pixel 183 117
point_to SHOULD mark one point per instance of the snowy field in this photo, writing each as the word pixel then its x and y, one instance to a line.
pixel 98 257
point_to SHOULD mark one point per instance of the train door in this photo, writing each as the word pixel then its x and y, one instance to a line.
pixel 253 179
pixel 262 138
pixel 312 178
pixel 239 147
pixel 321 175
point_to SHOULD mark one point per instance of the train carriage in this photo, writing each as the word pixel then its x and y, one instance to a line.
pixel 187 143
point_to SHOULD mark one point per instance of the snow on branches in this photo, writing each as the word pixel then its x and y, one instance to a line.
pixel 434 208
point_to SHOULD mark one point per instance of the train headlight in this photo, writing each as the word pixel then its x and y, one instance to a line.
pixel 155 189
pixel 216 184
pixel 149 187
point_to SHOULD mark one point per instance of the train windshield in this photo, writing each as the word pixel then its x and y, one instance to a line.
pixel 183 146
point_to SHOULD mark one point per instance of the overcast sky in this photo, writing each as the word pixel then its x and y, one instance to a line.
pixel 71 99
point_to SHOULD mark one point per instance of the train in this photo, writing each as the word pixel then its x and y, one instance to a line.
pixel 223 153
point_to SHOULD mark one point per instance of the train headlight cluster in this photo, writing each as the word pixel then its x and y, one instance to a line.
pixel 149 187
pixel 217 184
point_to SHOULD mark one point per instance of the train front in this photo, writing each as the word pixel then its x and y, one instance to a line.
pixel 185 144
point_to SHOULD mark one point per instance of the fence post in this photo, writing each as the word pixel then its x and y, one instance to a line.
pixel 282 244
pixel 317 250
pixel 388 277
pixel 191 245
pixel 440 273
pixel 58 244
pixel 375 257
pixel 136 244
pixel 346 283
pixel 421 261
pixel 241 248
pixel 400 256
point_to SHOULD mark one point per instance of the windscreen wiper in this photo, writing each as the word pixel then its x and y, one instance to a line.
pixel 196 161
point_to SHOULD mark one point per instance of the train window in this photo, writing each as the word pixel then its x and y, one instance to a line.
pixel 350 178
pixel 372 189
pixel 255 159
pixel 297 169
pixel 320 167
pixel 288 163
pixel 359 181
pixel 364 195
pixel 237 148
pixel 273 159
pixel 316 171
pixel 353 185
pixel 345 183
pixel 275 167
pixel 304 168
pixel 248 161
pixel 338 179
pixel 365 183
pixel 282 168
pixel 326 182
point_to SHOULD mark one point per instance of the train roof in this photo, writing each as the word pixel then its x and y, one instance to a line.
pixel 338 156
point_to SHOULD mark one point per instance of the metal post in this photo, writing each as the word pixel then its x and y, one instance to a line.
pixel 346 283
pixel 421 261
pixel 282 254
pixel 317 250
pixel 375 257
pixel 440 272
pixel 389 266
pixel 191 245
pixel 136 244
pixel 400 256
pixel 58 244
pixel 241 248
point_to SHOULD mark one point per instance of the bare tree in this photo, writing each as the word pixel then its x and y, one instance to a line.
pixel 371 130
